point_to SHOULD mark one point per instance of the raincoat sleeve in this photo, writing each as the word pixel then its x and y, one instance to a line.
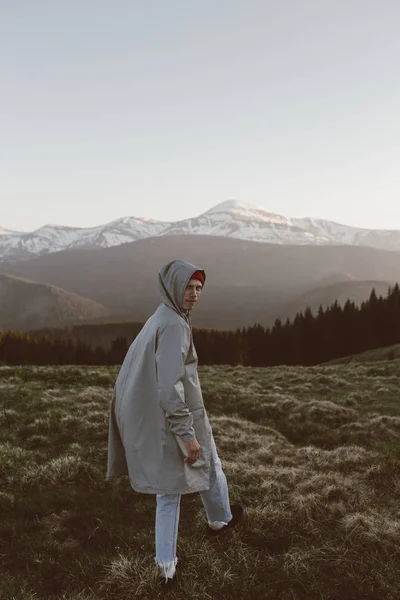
pixel 170 360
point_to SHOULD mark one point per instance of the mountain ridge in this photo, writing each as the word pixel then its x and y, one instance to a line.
pixel 247 282
pixel 352 290
pixel 231 218
pixel 27 304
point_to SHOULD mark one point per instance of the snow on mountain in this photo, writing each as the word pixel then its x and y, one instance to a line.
pixel 127 229
pixel 8 232
pixel 54 238
pixel 384 239
pixel 247 222
pixel 229 219
pixel 50 238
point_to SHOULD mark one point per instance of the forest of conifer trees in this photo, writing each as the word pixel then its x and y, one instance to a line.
pixel 309 339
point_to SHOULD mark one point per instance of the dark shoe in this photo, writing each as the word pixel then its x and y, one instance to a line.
pixel 237 515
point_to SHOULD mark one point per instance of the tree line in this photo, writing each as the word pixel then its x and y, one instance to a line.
pixel 308 339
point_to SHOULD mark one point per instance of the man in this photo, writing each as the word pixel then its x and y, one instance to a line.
pixel 159 431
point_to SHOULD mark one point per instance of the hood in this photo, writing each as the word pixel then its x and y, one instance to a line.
pixel 173 279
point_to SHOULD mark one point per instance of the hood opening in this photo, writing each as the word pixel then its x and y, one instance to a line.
pixel 173 279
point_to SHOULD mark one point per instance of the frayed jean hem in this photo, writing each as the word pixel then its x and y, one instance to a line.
pixel 167 569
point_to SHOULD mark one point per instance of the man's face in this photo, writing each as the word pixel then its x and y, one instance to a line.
pixel 192 294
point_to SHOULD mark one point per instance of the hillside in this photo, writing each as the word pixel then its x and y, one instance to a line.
pixel 341 291
pixel 311 453
pixel 28 305
pixel 247 282
pixel 377 355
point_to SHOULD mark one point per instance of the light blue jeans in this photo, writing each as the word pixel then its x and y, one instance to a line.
pixel 216 504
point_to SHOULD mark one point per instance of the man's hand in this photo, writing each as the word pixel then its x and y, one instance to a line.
pixel 193 449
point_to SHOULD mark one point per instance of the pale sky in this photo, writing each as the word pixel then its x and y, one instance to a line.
pixel 164 108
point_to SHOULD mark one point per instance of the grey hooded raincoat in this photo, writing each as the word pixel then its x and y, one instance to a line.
pixel 157 403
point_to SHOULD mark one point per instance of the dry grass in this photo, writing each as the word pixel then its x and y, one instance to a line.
pixel 313 454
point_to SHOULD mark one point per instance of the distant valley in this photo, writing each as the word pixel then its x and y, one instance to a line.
pixel 247 282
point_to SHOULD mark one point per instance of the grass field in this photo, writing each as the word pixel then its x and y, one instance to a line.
pixel 312 453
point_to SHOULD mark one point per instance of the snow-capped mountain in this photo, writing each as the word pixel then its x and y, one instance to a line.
pixel 384 239
pixel 251 222
pixel 6 231
pixel 245 222
pixel 228 219
pixel 54 238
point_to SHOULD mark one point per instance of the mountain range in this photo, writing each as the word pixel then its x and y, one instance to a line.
pixel 247 282
pixel 230 219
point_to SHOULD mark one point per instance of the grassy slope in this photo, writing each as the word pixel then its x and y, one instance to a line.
pixel 312 453
pixel 379 354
